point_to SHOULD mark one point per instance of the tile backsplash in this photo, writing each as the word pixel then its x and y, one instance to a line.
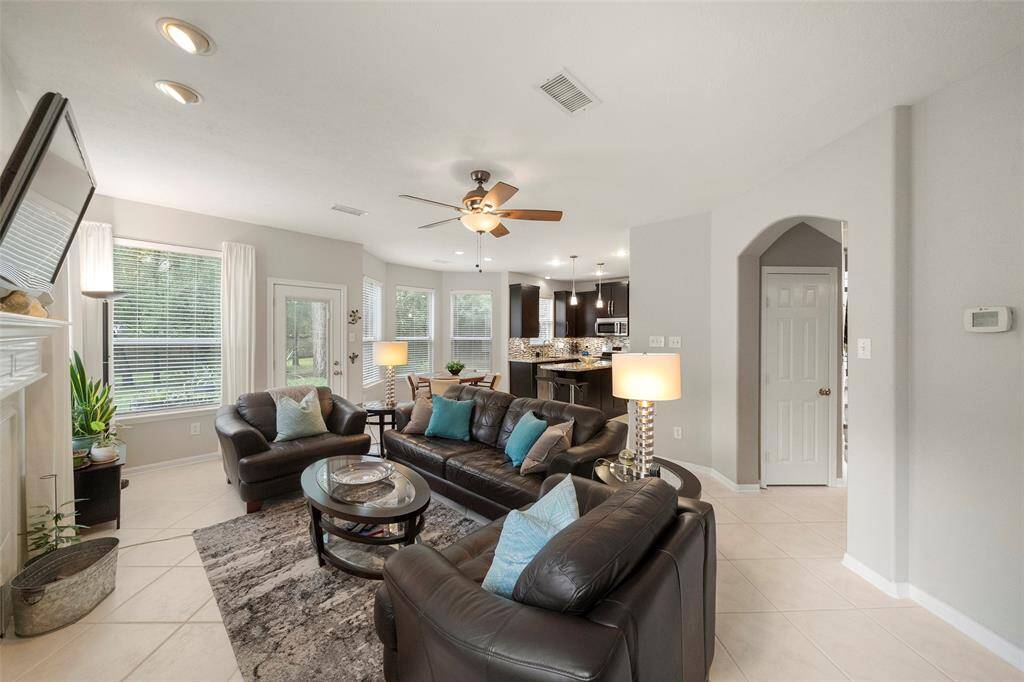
pixel 520 349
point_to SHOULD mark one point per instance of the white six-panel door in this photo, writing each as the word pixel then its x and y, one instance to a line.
pixel 798 364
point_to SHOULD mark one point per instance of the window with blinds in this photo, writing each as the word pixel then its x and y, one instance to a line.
pixel 165 345
pixel 373 328
pixel 414 322
pixel 471 329
pixel 547 321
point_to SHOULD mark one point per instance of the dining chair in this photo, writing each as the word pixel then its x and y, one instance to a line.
pixel 417 386
pixel 491 381
pixel 439 386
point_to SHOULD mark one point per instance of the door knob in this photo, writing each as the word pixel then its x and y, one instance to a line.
pixel 824 391
pixel 337 372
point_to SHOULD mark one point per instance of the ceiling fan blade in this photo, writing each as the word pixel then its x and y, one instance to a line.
pixel 433 225
pixel 499 194
pixel 529 214
pixel 499 231
pixel 430 201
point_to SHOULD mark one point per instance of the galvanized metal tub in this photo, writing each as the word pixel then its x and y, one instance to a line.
pixel 60 587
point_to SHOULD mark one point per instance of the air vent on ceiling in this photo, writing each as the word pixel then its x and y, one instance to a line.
pixel 442 261
pixel 566 91
pixel 348 209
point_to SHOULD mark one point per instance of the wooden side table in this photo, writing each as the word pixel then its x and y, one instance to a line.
pixel 381 416
pixel 99 488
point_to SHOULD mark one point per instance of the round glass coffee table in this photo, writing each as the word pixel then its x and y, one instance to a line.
pixel 357 522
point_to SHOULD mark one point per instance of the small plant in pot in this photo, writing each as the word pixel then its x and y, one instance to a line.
pixel 104 449
pixel 92 407
pixel 454 367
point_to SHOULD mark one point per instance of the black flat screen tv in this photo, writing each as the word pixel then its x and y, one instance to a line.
pixel 45 189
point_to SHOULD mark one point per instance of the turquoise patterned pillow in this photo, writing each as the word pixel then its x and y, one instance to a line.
pixel 299 420
pixel 525 533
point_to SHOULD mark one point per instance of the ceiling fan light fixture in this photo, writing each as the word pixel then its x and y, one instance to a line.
pixel 480 222
pixel 186 37
pixel 180 93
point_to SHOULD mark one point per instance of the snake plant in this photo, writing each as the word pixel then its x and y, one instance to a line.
pixel 92 407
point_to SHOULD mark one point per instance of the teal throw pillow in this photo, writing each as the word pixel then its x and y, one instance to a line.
pixel 299 419
pixel 524 534
pixel 526 432
pixel 450 418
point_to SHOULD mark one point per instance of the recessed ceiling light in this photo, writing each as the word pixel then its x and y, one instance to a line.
pixel 622 253
pixel 554 262
pixel 459 253
pixel 348 209
pixel 184 35
pixel 487 259
pixel 547 276
pixel 182 94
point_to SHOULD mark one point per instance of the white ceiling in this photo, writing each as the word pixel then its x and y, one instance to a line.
pixel 313 104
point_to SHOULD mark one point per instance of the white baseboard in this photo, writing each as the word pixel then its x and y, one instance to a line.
pixel 1004 649
pixel 172 463
pixel 722 478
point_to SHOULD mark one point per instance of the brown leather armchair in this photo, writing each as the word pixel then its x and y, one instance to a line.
pixel 261 468
pixel 627 593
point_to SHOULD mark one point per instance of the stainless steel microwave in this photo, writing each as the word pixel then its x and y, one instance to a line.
pixel 612 326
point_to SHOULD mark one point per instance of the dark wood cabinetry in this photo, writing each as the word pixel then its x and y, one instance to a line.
pixel 522 379
pixel 565 316
pixel 616 296
pixel 586 313
pixel 524 311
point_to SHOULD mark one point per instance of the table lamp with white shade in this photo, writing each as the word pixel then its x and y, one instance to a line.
pixel 646 378
pixel 390 354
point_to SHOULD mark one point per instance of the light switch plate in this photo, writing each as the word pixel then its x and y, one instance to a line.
pixel 675 342
pixel 351 337
pixel 656 342
pixel 677 432
pixel 863 349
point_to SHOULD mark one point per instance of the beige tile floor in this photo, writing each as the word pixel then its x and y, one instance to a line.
pixel 787 609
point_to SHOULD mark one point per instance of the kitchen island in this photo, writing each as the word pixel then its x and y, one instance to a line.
pixel 598 379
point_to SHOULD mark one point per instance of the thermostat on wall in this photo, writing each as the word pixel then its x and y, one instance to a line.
pixel 988 319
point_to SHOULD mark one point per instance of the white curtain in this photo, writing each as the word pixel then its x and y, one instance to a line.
pixel 238 320
pixel 96 273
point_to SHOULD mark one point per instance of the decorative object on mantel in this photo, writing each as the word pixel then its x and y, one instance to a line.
pixel 354 316
pixel 21 303
pixel 92 408
pixel 454 367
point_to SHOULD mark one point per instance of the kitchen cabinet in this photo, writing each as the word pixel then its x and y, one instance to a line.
pixel 522 379
pixel 586 313
pixel 523 311
pixel 616 296
pixel 565 316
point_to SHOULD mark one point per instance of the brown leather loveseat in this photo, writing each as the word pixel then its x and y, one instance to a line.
pixel 624 594
pixel 477 473
pixel 261 468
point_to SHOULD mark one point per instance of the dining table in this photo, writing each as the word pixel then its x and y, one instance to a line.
pixel 464 377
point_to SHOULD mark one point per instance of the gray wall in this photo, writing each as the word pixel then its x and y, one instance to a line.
pixel 967 390
pixel 668 296
pixel 279 254
pixel 803 245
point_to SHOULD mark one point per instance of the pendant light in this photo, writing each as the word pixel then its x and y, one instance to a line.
pixel 572 299
pixel 600 274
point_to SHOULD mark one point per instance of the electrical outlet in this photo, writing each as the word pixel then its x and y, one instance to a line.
pixel 656 342
pixel 675 342
pixel 193 428
pixel 677 432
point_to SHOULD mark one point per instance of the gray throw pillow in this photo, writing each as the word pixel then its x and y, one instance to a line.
pixel 555 439
pixel 299 419
pixel 420 418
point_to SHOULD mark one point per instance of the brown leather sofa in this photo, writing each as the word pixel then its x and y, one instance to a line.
pixel 626 593
pixel 261 468
pixel 477 473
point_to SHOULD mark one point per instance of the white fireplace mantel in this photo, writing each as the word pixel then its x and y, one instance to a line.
pixel 35 429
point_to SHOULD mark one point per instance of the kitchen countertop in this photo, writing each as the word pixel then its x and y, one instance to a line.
pixel 535 361
pixel 577 366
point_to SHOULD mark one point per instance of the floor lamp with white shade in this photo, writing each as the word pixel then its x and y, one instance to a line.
pixel 646 378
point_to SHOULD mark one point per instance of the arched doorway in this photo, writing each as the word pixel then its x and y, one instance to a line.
pixel 779 428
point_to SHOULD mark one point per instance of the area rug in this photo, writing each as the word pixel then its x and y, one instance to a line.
pixel 287 618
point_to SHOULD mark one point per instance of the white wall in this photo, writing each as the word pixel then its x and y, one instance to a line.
pixel 967 390
pixel 279 254
pixel 669 297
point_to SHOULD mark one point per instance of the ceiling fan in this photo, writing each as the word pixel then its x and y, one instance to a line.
pixel 481 209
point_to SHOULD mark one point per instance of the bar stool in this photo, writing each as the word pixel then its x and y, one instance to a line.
pixel 574 386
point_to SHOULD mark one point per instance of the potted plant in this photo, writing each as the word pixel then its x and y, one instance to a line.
pixel 454 367
pixel 92 407
pixel 105 447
